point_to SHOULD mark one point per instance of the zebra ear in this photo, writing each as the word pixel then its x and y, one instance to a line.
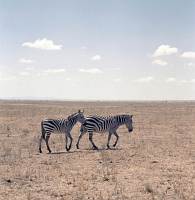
pixel 131 116
pixel 79 111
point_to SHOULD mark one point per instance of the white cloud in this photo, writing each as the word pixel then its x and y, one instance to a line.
pixel 190 64
pixel 91 71
pixel 116 79
pixel 25 61
pixel 48 72
pixel 164 50
pixel 189 54
pixel 96 57
pixel 193 80
pixel 24 73
pixel 6 77
pixel 184 81
pixel 29 68
pixel 171 79
pixel 84 48
pixel 145 79
pixel 116 68
pixel 159 62
pixel 54 71
pixel 40 74
pixel 44 44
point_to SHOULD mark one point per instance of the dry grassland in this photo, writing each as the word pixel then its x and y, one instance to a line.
pixel 155 161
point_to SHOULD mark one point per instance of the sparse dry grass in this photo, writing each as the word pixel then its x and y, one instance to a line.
pixel 156 161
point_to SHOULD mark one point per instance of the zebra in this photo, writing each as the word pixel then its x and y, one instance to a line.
pixel 104 124
pixel 49 126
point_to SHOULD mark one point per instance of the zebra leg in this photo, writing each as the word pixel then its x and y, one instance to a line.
pixel 91 140
pixel 42 137
pixel 47 140
pixel 66 143
pixel 80 136
pixel 117 137
pixel 69 136
pixel 40 141
pixel 109 137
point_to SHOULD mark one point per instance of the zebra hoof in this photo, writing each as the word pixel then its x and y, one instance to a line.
pixel 95 148
pixel 77 147
pixel 114 144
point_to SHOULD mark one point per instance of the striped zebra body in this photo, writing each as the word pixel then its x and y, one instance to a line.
pixel 104 124
pixel 64 126
pixel 57 126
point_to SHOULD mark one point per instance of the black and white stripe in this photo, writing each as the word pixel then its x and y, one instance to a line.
pixel 65 126
pixel 104 124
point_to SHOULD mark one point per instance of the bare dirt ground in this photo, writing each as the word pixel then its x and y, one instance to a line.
pixel 155 161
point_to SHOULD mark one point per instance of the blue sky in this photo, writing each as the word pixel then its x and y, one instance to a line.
pixel 95 49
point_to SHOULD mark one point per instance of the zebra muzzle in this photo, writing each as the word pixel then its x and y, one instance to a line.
pixel 130 130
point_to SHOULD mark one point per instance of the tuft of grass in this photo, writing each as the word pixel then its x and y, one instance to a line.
pixel 149 188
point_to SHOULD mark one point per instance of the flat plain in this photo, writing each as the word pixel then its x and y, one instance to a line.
pixel 155 161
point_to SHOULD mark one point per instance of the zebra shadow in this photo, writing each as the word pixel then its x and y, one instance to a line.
pixel 86 150
pixel 90 150
pixel 64 152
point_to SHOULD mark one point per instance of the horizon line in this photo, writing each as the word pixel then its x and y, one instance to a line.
pixel 93 100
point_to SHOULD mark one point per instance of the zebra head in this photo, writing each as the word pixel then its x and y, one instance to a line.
pixel 78 116
pixel 129 123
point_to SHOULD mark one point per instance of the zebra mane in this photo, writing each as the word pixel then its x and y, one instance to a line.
pixel 72 116
pixel 109 116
